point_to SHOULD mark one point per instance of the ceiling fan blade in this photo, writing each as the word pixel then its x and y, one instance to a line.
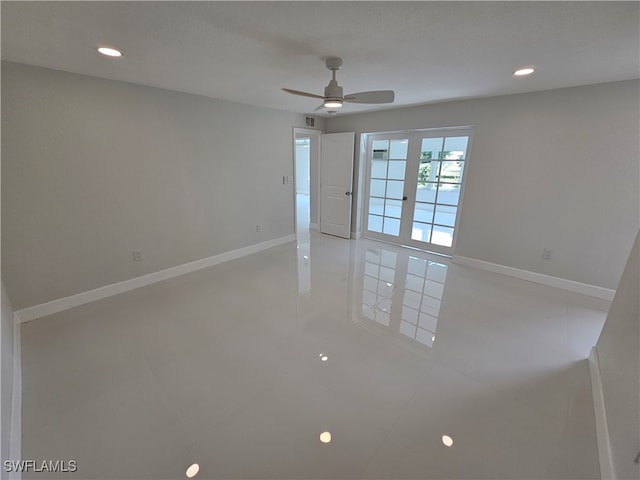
pixel 319 108
pixel 304 94
pixel 376 96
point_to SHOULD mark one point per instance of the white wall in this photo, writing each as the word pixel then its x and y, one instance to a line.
pixel 557 169
pixel 93 169
pixel 6 386
pixel 618 351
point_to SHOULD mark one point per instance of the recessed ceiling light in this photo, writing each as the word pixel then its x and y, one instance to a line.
pixel 325 437
pixel 192 471
pixel 523 72
pixel 323 357
pixel 109 52
pixel 447 441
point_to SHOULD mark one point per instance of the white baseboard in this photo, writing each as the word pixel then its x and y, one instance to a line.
pixel 607 470
pixel 570 285
pixel 61 304
pixel 15 426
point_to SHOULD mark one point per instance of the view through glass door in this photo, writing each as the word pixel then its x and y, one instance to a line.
pixel 414 185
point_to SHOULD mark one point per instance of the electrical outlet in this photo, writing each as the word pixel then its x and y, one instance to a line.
pixel 258 228
pixel 137 255
pixel 546 254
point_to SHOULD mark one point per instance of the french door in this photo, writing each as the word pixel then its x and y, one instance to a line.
pixel 414 187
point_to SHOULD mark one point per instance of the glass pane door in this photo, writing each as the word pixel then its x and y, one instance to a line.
pixel 386 185
pixel 413 187
pixel 440 173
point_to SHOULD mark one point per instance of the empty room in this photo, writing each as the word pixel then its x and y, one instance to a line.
pixel 309 240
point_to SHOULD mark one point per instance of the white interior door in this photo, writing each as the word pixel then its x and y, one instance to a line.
pixel 336 180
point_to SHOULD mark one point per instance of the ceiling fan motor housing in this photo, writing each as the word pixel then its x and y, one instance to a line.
pixel 333 91
pixel 333 96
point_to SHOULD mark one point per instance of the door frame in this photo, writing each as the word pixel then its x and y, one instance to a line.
pixel 410 186
pixel 315 182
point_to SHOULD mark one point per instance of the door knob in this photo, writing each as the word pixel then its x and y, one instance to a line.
pixel 348 193
pixel 404 199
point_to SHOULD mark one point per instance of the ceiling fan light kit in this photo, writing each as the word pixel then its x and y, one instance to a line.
pixel 333 94
pixel 332 103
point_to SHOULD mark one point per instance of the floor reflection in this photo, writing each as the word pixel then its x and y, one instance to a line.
pixel 402 291
pixel 390 287
pixel 422 298
pixel 332 337
pixel 304 243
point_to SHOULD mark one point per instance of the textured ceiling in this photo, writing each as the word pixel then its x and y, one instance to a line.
pixel 247 51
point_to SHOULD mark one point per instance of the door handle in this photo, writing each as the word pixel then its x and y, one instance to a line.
pixel 404 199
pixel 348 193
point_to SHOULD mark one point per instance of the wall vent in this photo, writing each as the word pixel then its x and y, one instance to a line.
pixel 309 121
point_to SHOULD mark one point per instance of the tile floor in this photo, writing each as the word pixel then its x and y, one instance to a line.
pixel 241 367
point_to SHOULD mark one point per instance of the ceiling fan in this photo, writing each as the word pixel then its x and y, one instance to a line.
pixel 333 97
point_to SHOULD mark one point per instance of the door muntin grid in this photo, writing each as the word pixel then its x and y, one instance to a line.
pixel 386 185
pixel 439 183
pixel 433 163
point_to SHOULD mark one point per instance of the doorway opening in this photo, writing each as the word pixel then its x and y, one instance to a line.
pixel 306 153
pixel 303 182
pixel 306 146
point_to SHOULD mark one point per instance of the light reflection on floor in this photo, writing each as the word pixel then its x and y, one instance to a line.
pixel 241 367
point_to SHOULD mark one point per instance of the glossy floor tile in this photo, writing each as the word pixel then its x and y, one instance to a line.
pixel 241 367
